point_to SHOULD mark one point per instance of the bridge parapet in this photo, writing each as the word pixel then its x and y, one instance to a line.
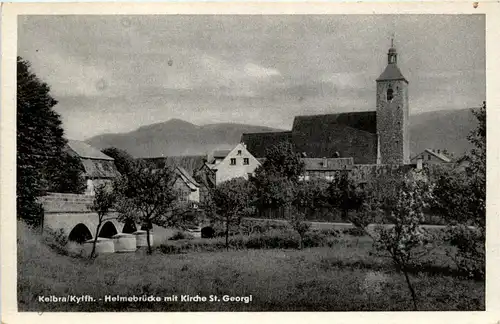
pixel 71 213
pixel 67 203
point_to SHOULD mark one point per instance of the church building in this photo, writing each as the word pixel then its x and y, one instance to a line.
pixel 370 137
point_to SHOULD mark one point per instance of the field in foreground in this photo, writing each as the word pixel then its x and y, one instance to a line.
pixel 340 278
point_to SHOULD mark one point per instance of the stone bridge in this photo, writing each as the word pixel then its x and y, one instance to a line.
pixel 70 213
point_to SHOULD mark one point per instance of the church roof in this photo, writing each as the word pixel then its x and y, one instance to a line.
pixel 348 134
pixel 365 121
pixel 391 72
pixel 257 143
pixel 221 153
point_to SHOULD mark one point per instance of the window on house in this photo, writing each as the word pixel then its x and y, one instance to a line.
pixel 239 152
pixel 246 161
pixel 429 157
pixel 233 161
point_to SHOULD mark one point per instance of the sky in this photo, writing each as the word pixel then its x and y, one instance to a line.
pixel 114 74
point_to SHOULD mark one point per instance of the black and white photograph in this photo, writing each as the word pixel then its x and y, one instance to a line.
pixel 250 162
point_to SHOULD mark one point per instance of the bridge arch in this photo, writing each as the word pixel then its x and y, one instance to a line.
pixel 207 232
pixel 129 227
pixel 80 233
pixel 108 229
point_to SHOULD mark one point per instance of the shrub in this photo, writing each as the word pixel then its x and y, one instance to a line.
pixel 328 232
pixel 470 250
pixel 248 226
pixel 273 240
pixel 354 231
pixel 180 235
pixel 56 239
pixel 170 249
pixel 314 239
pixel 270 240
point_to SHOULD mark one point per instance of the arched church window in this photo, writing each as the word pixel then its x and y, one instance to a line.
pixel 390 94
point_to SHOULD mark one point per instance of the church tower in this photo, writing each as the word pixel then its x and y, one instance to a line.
pixel 393 113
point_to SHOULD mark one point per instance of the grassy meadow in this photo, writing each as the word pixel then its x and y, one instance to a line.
pixel 341 275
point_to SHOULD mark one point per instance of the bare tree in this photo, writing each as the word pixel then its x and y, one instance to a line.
pixel 104 200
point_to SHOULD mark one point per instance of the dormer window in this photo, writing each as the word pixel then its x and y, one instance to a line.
pixel 390 94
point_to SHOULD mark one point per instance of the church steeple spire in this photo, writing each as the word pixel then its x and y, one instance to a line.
pixel 391 71
pixel 392 55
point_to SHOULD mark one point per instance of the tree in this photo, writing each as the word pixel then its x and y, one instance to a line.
pixel 232 200
pixel 453 198
pixel 395 199
pixel 460 196
pixel 344 194
pixel 312 195
pixel 39 139
pixel 299 224
pixel 404 205
pixel 104 200
pixel 273 190
pixel 309 196
pixel 282 160
pixel 276 179
pixel 278 186
pixel 147 196
pixel 124 162
pixel 477 167
pixel 65 175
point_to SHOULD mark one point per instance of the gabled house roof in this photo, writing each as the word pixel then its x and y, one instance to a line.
pixel 96 164
pixel 440 155
pixel 328 164
pixel 318 164
pixel 99 169
pixel 84 150
pixel 190 163
pixel 187 178
pixel 203 177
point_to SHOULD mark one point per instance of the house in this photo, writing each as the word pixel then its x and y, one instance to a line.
pixel 99 168
pixel 206 177
pixel 325 168
pixel 380 136
pixel 431 156
pixel 228 164
pixel 187 187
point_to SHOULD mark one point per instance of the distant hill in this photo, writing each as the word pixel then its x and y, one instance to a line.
pixel 445 129
pixel 176 137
